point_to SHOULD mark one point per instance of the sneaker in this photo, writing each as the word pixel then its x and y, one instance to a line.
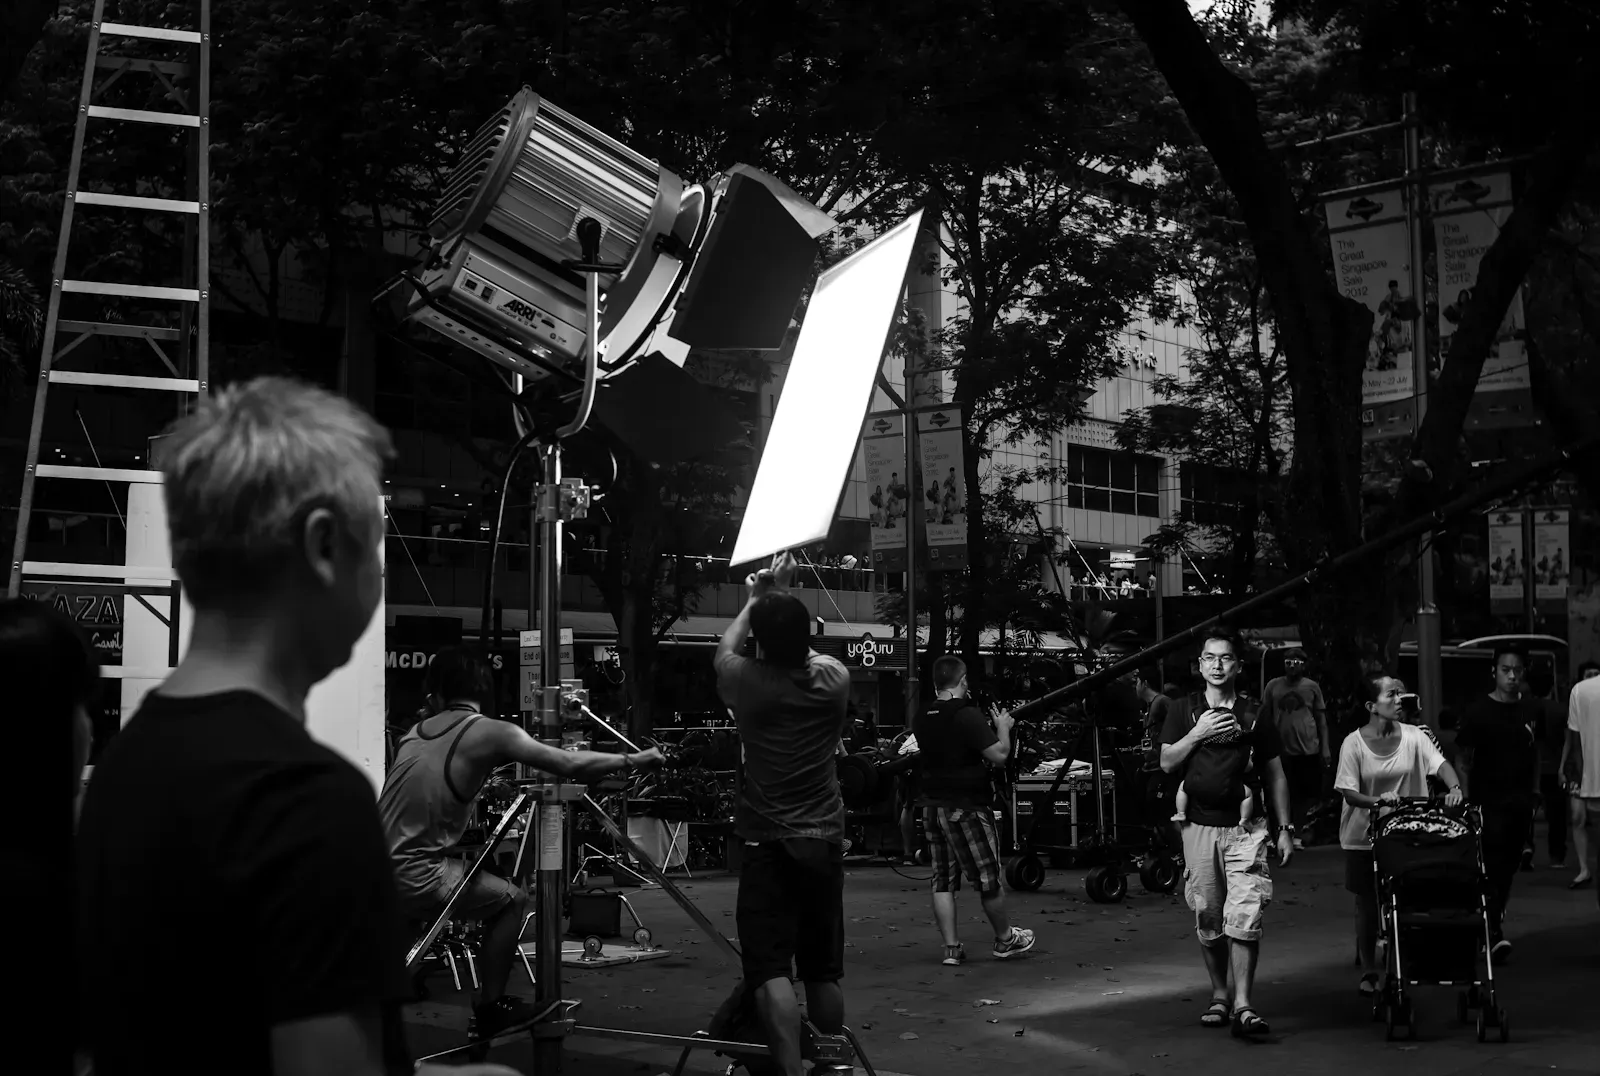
pixel 1018 943
pixel 1500 951
pixel 1299 845
pixel 495 1017
pixel 954 956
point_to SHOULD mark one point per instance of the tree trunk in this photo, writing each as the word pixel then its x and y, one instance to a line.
pixel 636 643
pixel 1549 182
pixel 1324 335
pixel 972 602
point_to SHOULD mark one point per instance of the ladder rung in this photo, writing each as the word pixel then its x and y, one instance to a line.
pixel 139 63
pixel 130 291
pixel 115 328
pixel 157 33
pixel 53 569
pixel 98 474
pixel 140 115
pixel 124 381
pixel 125 672
pixel 136 201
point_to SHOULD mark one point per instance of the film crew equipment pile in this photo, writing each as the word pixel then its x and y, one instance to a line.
pixel 584 273
pixel 1035 831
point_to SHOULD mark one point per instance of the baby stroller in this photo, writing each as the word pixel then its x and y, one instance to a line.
pixel 1433 904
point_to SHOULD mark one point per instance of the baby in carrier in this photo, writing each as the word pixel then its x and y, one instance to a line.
pixel 1240 790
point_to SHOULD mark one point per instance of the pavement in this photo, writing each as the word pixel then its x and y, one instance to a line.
pixel 1109 989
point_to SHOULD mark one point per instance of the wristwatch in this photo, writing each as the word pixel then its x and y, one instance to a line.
pixel 1290 830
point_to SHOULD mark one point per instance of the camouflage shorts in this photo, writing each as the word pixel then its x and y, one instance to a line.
pixel 1225 879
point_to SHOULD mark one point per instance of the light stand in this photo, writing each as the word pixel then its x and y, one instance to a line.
pixel 557 502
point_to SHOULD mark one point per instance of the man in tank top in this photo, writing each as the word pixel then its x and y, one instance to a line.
pixel 428 802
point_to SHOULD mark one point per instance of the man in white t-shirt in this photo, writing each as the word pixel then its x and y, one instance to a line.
pixel 1580 766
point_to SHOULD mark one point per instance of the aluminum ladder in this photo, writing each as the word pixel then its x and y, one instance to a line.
pixel 108 303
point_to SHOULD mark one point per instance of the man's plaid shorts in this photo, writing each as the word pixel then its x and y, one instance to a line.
pixel 962 841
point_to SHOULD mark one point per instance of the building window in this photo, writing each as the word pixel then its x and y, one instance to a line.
pixel 1102 481
pixel 1211 495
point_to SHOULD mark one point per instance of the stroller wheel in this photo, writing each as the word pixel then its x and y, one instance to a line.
pixel 1483 1025
pixel 1463 1008
pixel 1505 1026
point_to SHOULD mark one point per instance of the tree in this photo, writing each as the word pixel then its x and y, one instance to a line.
pixel 1229 412
pixel 642 543
pixel 22 24
pixel 1023 158
pixel 1323 335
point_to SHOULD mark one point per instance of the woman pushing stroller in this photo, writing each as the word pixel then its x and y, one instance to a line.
pixel 1380 763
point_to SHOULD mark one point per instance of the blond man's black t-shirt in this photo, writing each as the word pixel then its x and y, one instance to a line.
pixel 952 735
pixel 220 843
pixel 1217 770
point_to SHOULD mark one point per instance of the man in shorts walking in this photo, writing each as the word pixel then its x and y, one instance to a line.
pixel 1214 738
pixel 790 708
pixel 957 747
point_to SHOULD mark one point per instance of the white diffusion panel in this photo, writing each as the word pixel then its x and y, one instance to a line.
pixel 825 397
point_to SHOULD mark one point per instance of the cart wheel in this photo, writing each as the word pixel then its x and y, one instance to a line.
pixel 1463 1008
pixel 1505 1025
pixel 593 946
pixel 1390 1017
pixel 1158 874
pixel 1105 885
pixel 1483 1025
pixel 1025 872
pixel 642 937
pixel 1092 885
pixel 1409 1017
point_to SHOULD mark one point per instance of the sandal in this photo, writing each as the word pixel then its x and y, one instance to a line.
pixel 1246 1022
pixel 1216 1014
pixel 1369 984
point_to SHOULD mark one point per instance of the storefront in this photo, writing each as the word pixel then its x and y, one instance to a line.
pixel 877 665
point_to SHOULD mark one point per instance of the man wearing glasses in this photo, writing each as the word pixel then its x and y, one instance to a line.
pixel 1215 739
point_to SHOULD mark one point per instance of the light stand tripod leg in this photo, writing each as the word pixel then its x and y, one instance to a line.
pixel 666 883
pixel 421 947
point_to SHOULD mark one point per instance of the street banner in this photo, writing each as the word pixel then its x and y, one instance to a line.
pixel 1372 265
pixel 883 450
pixel 943 499
pixel 1506 561
pixel 1467 215
pixel 1552 555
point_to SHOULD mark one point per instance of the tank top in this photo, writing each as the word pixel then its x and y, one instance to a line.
pixel 424 814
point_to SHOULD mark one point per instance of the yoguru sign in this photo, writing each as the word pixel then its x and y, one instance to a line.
pixel 868 650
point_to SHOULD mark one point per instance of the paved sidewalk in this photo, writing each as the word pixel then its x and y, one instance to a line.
pixel 1108 990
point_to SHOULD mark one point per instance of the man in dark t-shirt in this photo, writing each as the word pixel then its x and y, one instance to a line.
pixel 790 706
pixel 214 818
pixel 1499 759
pixel 958 747
pixel 1209 741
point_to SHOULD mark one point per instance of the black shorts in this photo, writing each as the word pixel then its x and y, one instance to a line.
pixel 1358 876
pixel 791 911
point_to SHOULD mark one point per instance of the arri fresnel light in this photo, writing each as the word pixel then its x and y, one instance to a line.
pixel 719 265
pixel 585 273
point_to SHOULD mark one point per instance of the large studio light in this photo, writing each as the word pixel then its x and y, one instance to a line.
pixel 719 265
pixel 825 397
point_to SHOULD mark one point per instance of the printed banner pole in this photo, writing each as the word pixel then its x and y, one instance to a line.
pixel 1372 264
pixel 943 496
pixel 1467 215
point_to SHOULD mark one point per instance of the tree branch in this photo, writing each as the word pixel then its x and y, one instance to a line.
pixel 1505 265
